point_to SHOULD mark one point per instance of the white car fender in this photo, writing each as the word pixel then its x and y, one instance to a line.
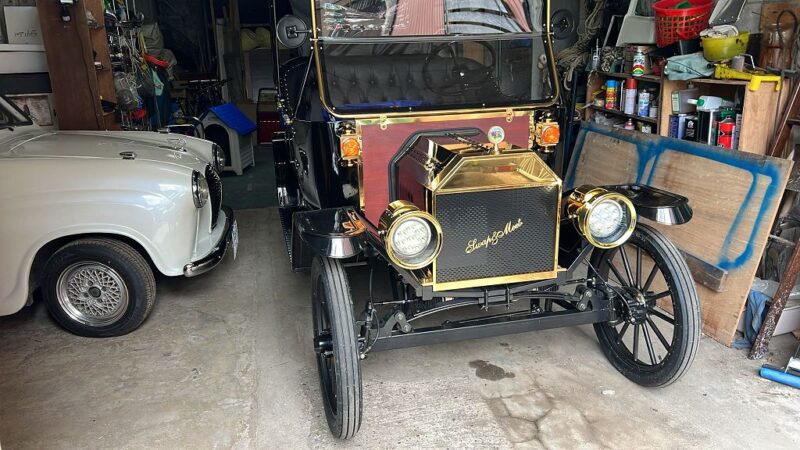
pixel 155 209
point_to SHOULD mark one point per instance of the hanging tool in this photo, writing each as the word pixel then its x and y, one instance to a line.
pixel 723 72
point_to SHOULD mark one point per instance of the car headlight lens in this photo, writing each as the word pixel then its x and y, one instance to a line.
pixel 219 158
pixel 413 238
pixel 200 190
pixel 606 219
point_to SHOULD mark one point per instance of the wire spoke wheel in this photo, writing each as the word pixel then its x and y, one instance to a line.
pixel 336 347
pixel 92 293
pixel 656 335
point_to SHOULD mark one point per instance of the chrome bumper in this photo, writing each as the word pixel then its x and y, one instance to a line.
pixel 218 254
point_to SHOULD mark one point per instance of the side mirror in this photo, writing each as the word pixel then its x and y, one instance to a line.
pixel 292 31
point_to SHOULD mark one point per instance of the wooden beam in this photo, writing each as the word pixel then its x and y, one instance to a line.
pixel 72 73
pixel 706 273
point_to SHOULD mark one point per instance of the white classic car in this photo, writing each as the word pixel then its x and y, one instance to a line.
pixel 87 216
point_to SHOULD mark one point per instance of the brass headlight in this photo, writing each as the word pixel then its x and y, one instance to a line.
pixel 606 219
pixel 413 238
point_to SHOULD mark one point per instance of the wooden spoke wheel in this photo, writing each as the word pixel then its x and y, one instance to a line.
pixel 655 339
pixel 336 346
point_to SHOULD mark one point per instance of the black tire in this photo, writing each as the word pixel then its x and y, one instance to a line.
pixel 340 365
pixel 124 270
pixel 685 316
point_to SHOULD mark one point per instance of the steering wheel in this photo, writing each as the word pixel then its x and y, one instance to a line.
pixel 463 74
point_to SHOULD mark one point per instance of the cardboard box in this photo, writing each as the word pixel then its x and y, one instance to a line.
pixel 22 25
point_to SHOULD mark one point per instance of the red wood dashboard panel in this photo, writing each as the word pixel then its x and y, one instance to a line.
pixel 379 146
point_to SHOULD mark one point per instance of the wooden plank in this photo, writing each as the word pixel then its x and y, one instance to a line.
pixel 705 273
pixel 72 73
pixel 758 118
pixel 735 197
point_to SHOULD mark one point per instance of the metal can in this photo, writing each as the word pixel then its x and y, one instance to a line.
pixel 638 63
pixel 725 132
pixel 643 107
pixel 611 94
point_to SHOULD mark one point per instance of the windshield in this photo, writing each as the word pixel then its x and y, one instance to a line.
pixel 372 18
pixel 383 56
pixel 10 115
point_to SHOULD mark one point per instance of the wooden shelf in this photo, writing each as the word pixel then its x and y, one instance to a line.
pixel 646 78
pixel 715 81
pixel 652 120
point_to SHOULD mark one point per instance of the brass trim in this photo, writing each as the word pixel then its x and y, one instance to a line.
pixel 584 199
pixel 546 177
pixel 385 118
pixel 439 187
pixel 397 212
pixel 481 282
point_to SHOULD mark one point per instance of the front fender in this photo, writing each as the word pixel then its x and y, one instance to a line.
pixel 333 233
pixel 73 199
pixel 656 204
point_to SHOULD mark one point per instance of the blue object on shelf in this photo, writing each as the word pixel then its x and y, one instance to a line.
pixel 780 376
pixel 234 118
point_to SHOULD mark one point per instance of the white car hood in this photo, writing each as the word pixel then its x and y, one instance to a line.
pixel 166 148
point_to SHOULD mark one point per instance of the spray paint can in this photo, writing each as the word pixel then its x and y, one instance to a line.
pixel 612 87
pixel 644 103
pixel 638 63
pixel 725 132
pixel 629 125
pixel 630 96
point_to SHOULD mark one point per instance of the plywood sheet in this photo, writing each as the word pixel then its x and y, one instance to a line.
pixel 735 197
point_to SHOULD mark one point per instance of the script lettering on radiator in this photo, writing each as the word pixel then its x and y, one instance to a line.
pixel 495 237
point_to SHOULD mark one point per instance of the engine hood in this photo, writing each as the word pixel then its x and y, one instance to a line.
pixel 148 146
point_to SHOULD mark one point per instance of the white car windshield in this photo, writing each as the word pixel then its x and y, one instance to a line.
pixel 10 115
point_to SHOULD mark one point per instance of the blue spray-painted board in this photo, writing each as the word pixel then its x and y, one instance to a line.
pixel 735 196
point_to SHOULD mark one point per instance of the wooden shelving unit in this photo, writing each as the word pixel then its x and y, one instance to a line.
pixel 71 49
pixel 759 108
pixel 598 79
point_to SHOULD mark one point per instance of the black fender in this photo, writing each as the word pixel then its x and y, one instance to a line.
pixel 337 233
pixel 656 204
pixel 651 203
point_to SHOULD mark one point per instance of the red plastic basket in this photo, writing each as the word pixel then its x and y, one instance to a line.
pixel 678 24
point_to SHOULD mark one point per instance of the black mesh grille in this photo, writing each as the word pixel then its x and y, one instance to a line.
pixel 215 193
pixel 518 227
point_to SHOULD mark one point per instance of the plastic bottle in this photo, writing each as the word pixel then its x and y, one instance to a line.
pixel 630 96
pixel 710 103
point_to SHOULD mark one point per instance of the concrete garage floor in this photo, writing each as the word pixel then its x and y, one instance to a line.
pixel 225 361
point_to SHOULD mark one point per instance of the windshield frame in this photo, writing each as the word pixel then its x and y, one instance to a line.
pixel 13 110
pixel 546 35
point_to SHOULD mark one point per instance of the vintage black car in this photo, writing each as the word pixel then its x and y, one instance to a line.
pixel 418 138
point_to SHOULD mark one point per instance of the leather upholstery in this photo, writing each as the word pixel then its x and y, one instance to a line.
pixel 365 79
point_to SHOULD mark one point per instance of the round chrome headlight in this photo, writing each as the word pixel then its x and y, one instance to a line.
pixel 413 238
pixel 606 219
pixel 219 158
pixel 200 190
